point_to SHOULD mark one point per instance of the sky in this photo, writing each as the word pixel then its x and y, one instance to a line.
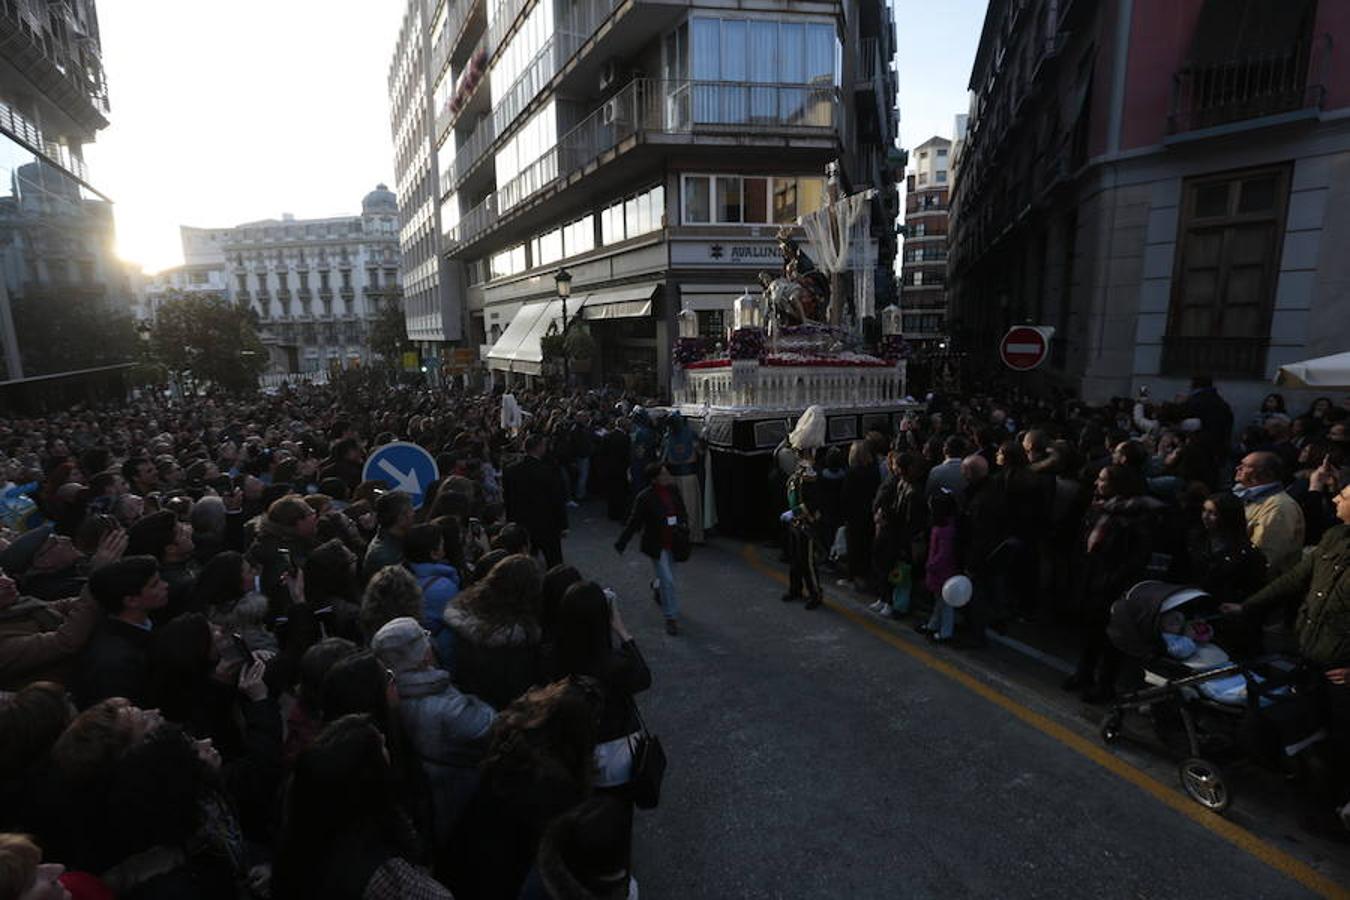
pixel 937 41
pixel 224 113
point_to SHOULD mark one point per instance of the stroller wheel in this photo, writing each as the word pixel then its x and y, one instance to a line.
pixel 1110 727
pixel 1204 783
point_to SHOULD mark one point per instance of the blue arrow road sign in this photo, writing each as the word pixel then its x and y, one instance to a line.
pixel 402 467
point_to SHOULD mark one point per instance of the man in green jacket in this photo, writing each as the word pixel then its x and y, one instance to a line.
pixel 1322 579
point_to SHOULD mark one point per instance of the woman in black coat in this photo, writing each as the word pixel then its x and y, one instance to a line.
pixel 861 482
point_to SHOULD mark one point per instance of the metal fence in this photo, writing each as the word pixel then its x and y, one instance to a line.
pixel 1250 86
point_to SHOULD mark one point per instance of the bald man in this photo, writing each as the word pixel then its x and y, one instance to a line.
pixel 1274 519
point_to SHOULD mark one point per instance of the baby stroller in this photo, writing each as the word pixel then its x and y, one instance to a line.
pixel 1206 708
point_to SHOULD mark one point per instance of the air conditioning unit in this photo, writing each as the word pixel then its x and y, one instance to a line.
pixel 609 73
pixel 612 111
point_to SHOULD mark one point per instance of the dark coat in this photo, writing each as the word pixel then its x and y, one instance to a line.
pixel 650 515
pixel 534 496
pixel 623 674
pixel 495 665
pixel 39 641
pixel 116 663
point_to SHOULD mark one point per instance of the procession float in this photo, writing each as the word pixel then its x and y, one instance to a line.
pixel 809 335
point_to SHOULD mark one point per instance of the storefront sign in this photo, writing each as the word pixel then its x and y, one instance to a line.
pixel 737 254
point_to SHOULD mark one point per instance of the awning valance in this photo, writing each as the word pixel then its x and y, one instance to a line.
pixel 700 297
pixel 518 349
pixel 629 301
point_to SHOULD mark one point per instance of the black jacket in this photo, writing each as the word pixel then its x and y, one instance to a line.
pixel 650 515
pixel 116 663
pixel 534 497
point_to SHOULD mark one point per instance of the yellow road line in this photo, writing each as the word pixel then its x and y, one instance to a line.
pixel 1239 837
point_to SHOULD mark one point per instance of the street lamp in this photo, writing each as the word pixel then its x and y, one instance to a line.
pixel 563 280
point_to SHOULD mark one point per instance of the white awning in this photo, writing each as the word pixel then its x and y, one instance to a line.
pixel 699 297
pixel 632 302
pixel 518 349
pixel 1324 372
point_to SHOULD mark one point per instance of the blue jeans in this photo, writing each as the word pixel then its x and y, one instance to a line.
pixel 665 575
pixel 943 620
pixel 583 475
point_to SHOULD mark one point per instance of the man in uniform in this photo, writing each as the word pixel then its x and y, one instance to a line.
pixel 803 515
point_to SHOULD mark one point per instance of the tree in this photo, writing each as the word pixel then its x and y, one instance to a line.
pixel 63 331
pixel 210 338
pixel 389 333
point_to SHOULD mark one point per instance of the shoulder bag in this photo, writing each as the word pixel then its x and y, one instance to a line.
pixel 649 764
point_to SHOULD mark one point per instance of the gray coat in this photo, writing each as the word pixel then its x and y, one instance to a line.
pixel 448 731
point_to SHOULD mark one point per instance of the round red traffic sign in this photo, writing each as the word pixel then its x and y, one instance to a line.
pixel 1022 348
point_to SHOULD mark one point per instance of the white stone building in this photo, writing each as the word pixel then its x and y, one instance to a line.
pixel 316 285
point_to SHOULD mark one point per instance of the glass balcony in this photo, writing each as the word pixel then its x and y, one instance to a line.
pixel 654 107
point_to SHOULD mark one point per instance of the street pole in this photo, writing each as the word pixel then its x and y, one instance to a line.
pixel 563 280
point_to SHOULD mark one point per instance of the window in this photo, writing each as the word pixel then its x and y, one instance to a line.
pixel 243 285
pixel 941 176
pixel 323 279
pixel 373 278
pixel 942 153
pixel 636 215
pixel 508 262
pixel 697 209
pixel 304 281
pixel 923 178
pixel 346 279
pixel 923 155
pixel 728 56
pixel 548 248
pixel 1223 290
pixel 262 281
pixel 735 200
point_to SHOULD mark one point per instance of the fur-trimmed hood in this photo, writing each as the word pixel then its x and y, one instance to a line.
pixel 249 610
pixel 471 628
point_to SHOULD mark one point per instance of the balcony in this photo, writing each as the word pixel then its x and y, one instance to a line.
pixel 1241 356
pixel 70 71
pixel 1250 87
pixel 646 110
pixel 304 294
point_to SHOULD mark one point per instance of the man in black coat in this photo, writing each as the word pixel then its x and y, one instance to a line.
pixel 116 662
pixel 533 491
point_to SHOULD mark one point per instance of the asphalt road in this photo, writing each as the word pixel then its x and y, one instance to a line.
pixel 813 756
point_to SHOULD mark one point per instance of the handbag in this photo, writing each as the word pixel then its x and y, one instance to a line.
pixel 649 764
pixel 680 546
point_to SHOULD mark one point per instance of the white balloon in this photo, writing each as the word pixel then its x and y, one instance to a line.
pixel 956 591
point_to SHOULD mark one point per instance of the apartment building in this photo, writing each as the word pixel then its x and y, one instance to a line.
pixel 923 267
pixel 1165 182
pixel 56 229
pixel 651 149
pixel 316 285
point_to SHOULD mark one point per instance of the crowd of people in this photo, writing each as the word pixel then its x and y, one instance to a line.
pixel 230 666
pixel 1053 509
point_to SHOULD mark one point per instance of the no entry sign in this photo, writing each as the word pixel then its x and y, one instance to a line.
pixel 1024 347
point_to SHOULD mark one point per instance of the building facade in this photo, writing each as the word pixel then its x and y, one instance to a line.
pixel 653 150
pixel 923 269
pixel 56 230
pixel 316 285
pixel 1164 182
pixel 433 300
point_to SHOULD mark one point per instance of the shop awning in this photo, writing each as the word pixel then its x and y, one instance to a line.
pixel 518 349
pixel 699 297
pixel 632 302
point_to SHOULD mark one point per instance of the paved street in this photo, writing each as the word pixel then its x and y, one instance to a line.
pixel 812 756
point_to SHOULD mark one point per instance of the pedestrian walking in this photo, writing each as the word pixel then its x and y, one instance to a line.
pixel 660 514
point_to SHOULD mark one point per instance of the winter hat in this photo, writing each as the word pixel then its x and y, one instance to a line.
pixel 18 556
pixel 151 534
pixel 401 644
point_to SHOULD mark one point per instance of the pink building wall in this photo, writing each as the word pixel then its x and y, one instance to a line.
pixel 1160 36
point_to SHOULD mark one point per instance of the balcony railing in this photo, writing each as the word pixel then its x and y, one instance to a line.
pixel 1214 355
pixel 1250 86
pixel 660 107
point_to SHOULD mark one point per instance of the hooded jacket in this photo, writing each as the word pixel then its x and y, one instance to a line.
pixel 1321 580
pixel 495 664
